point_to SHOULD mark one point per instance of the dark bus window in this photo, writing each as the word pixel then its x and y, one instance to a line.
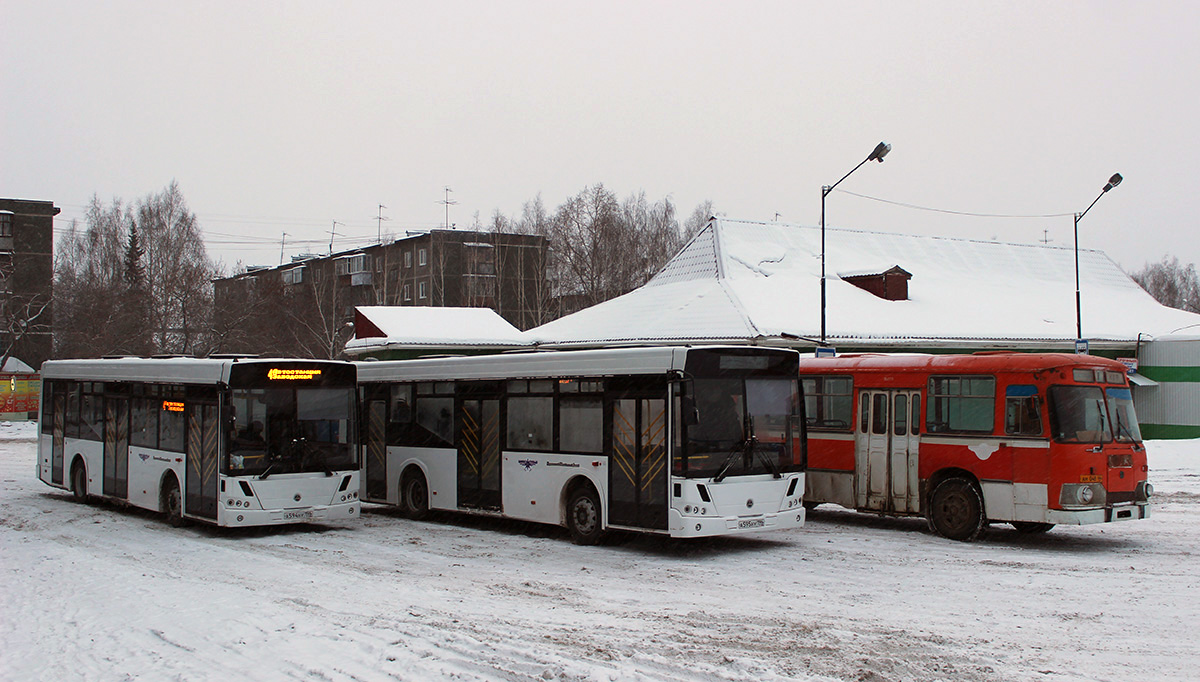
pixel 961 404
pixel 900 416
pixel 879 403
pixel 170 422
pixel 143 422
pixel 530 423
pixel 829 402
pixel 91 416
pixel 1022 411
pixel 435 419
pixel 72 420
pixel 581 425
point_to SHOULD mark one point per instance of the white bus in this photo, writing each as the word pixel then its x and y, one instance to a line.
pixel 225 441
pixel 681 441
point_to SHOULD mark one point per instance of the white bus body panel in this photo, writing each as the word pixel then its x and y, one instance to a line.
pixel 289 498
pixel 534 483
pixel 745 504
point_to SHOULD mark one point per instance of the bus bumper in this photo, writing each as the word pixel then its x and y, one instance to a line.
pixel 1121 512
pixel 706 526
pixel 333 513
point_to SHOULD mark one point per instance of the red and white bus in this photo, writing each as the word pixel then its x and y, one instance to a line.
pixel 1032 440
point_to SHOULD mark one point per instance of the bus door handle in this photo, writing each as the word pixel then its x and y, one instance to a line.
pixel 1098 448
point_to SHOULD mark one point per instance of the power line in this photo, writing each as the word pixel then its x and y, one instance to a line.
pixel 962 213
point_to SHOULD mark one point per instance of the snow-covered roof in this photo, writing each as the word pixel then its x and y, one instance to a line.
pixel 746 280
pixel 378 327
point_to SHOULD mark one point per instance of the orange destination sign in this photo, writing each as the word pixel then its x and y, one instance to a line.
pixel 276 373
pixel 172 406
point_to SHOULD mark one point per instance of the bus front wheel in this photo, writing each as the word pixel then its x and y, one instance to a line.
pixel 583 517
pixel 414 496
pixel 956 510
pixel 79 483
pixel 172 502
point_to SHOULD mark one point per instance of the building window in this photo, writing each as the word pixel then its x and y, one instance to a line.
pixel 422 257
pixel 352 265
pixel 293 276
pixel 408 292
pixel 408 259
pixel 5 224
pixel 422 290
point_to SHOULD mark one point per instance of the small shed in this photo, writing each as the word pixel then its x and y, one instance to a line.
pixel 404 332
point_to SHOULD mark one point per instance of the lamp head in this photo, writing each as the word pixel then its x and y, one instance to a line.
pixel 881 150
pixel 1113 181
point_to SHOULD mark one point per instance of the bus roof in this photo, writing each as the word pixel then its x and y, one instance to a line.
pixel 539 364
pixel 980 363
pixel 178 370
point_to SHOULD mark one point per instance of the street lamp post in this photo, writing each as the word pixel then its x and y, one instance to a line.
pixel 881 150
pixel 1112 182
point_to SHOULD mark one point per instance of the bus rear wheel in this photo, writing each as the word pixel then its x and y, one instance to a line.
pixel 583 517
pixel 414 496
pixel 956 510
pixel 1031 527
pixel 172 502
pixel 79 483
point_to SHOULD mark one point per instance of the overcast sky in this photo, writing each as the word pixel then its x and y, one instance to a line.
pixel 285 117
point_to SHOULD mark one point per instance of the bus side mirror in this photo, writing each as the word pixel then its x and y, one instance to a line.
pixel 691 415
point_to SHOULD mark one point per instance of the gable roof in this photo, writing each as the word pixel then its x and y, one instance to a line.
pixel 749 280
pixel 379 327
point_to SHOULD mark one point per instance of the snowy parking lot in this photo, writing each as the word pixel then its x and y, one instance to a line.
pixel 95 592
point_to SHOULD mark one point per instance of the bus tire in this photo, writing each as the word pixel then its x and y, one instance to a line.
pixel 1031 527
pixel 414 495
pixel 172 502
pixel 956 510
pixel 809 506
pixel 583 517
pixel 79 482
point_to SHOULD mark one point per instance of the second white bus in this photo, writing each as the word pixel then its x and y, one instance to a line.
pixel 680 441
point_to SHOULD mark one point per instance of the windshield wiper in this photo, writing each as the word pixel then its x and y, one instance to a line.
pixel 267 472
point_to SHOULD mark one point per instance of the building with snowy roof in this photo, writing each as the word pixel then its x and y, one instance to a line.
pixel 402 332
pixel 740 281
pixel 759 282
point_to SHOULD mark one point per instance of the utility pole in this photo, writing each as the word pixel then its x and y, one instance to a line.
pixel 448 202
pixel 333 233
pixel 282 242
pixel 380 220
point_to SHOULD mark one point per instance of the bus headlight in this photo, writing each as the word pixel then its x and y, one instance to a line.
pixel 1144 491
pixel 1085 494
pixel 1082 495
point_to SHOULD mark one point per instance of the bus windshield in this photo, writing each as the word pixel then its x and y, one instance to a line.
pixel 1122 416
pixel 290 430
pixel 1078 414
pixel 744 426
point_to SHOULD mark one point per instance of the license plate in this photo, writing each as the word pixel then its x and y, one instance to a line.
pixel 306 514
pixel 752 523
pixel 1091 479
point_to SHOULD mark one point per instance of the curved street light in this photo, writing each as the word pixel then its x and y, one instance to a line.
pixel 881 150
pixel 1112 182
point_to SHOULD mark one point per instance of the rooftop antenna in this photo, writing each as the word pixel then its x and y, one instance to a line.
pixel 1046 237
pixel 282 242
pixel 380 218
pixel 448 202
pixel 332 233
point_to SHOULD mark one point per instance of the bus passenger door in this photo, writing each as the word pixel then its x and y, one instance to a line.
pixel 376 476
pixel 116 447
pixel 479 454
pixel 200 488
pixel 905 437
pixel 638 468
pixel 58 437
pixel 872 450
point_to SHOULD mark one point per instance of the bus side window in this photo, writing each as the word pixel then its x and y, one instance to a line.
pixel 1022 411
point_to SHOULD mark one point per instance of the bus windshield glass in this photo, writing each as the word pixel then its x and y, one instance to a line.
pixel 744 426
pixel 290 430
pixel 1122 416
pixel 1078 414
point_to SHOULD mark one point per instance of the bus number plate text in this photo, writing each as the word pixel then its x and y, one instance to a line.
pixel 1091 479
pixel 752 523
pixel 306 514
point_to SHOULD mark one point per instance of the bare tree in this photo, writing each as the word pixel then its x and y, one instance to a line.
pixel 697 220
pixel 1171 284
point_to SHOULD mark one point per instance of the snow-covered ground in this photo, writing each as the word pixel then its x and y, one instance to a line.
pixel 94 592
